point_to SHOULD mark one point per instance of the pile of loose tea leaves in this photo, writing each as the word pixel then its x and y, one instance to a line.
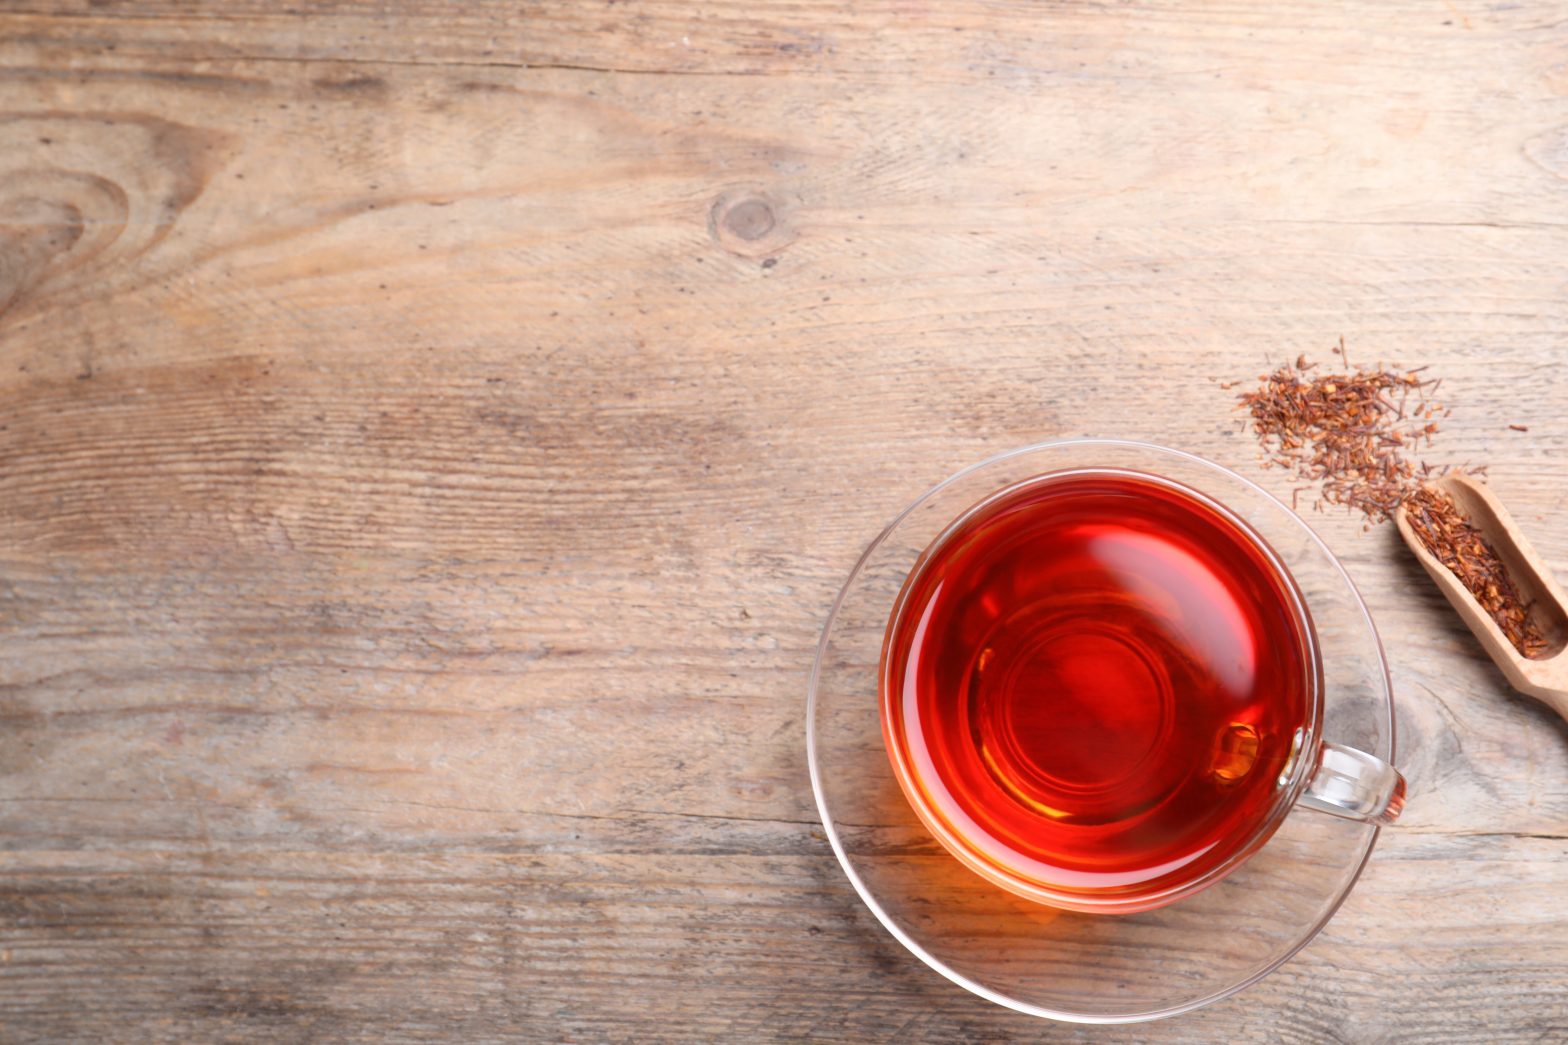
pixel 1458 545
pixel 1354 433
pixel 1351 432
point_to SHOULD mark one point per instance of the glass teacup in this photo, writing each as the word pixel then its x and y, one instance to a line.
pixel 1210 939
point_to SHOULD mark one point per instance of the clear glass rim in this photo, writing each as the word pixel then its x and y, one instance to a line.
pixel 891 924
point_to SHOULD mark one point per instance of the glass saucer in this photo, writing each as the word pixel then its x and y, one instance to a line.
pixel 1087 968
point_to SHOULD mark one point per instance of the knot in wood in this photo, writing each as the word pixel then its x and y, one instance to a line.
pixel 750 222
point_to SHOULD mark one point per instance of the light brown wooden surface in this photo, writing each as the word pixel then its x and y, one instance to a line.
pixel 431 436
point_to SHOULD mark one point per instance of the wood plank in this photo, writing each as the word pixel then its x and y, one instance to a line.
pixel 594 947
pixel 962 42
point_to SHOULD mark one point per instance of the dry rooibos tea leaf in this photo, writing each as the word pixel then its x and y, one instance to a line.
pixel 1349 431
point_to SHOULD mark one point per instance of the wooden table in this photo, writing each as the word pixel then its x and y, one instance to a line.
pixel 431 436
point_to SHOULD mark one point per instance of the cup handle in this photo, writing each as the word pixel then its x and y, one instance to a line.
pixel 1355 785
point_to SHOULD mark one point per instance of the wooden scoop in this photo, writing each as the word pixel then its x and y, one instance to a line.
pixel 1546 676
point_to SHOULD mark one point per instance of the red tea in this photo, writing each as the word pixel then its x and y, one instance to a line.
pixel 1096 683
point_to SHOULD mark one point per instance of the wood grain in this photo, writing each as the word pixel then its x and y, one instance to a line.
pixel 431 437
